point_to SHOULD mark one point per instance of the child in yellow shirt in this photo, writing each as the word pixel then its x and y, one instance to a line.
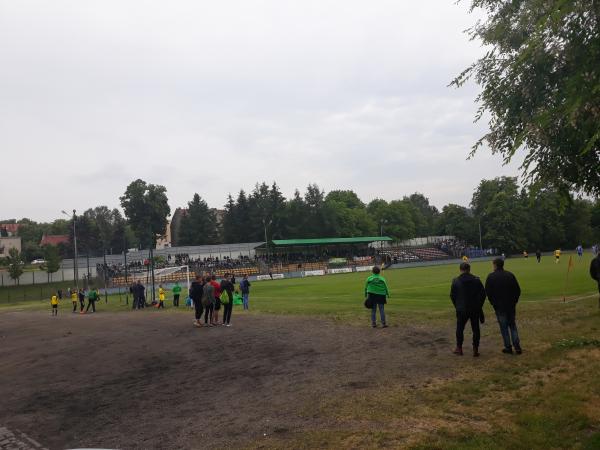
pixel 54 303
pixel 161 297
pixel 74 299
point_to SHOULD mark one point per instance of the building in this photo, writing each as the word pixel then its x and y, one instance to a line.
pixel 9 229
pixel 175 225
pixel 6 243
pixel 54 239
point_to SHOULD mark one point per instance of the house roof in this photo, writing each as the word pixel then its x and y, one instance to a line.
pixel 10 227
pixel 54 239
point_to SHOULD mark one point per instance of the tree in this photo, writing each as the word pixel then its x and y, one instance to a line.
pixel 199 225
pixel 456 220
pixel 505 228
pixel 15 264
pixel 423 214
pixel 52 258
pixel 146 207
pixel 540 84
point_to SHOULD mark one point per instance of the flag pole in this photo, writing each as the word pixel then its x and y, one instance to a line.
pixel 569 266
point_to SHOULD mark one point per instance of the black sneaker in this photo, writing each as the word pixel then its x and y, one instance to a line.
pixel 518 351
pixel 508 351
pixel 384 326
pixel 374 325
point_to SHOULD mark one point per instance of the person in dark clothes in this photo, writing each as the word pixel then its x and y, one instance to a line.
pixel 196 290
pixel 81 295
pixel 538 255
pixel 245 288
pixel 467 295
pixel 595 273
pixel 141 295
pixel 227 286
pixel 503 291
pixel 208 301
pixel 217 303
pixel 133 292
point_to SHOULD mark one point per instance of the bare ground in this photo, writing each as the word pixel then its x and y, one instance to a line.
pixel 149 379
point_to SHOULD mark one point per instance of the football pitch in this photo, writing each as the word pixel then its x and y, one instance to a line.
pixel 304 369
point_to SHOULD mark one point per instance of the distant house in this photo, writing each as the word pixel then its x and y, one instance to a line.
pixel 9 229
pixel 6 243
pixel 54 239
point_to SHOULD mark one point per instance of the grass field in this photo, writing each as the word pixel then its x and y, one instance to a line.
pixel 547 398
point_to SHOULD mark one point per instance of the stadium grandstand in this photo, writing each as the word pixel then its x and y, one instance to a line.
pixel 278 256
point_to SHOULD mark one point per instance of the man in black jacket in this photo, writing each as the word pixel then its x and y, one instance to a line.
pixel 196 290
pixel 503 291
pixel 467 295
pixel 595 273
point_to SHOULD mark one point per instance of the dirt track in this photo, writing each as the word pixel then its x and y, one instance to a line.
pixel 149 379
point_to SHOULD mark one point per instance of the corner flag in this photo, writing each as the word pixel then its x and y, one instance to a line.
pixel 569 267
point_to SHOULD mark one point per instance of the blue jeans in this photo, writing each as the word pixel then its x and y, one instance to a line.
pixel 245 299
pixel 508 329
pixel 381 307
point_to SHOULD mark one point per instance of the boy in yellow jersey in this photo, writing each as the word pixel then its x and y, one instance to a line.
pixel 74 299
pixel 465 258
pixel 161 297
pixel 54 303
pixel 557 256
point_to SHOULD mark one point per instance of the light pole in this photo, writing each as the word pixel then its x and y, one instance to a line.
pixel 75 262
pixel 381 222
pixel 480 240
pixel 265 224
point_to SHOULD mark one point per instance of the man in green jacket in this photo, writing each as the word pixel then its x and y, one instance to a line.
pixel 176 293
pixel 376 291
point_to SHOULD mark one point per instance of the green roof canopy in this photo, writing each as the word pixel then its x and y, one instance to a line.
pixel 331 241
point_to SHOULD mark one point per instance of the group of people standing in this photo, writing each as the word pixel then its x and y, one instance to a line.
pixel 208 296
pixel 78 297
pixel 468 295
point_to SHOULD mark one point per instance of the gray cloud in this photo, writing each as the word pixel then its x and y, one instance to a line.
pixel 211 97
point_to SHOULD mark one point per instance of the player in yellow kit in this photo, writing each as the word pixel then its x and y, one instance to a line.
pixel 74 299
pixel 54 303
pixel 161 297
pixel 557 256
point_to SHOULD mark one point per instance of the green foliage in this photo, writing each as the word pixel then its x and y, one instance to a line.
pixel 15 264
pixel 52 258
pixel 578 343
pixel 146 207
pixel 199 225
pixel 540 82
pixel 456 220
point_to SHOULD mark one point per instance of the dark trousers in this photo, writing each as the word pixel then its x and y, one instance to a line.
pixel 176 300
pixel 55 310
pixel 462 317
pixel 135 302
pixel 198 309
pixel 227 309
pixel 161 304
pixel 208 311
pixel 74 306
pixel 508 329
pixel 91 303
pixel 82 302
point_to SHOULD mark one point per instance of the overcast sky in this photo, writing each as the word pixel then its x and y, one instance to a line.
pixel 211 97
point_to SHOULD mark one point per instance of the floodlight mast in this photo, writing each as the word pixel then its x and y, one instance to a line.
pixel 75 260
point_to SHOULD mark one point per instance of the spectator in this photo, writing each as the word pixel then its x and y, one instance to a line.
pixel 595 273
pixel 245 288
pixel 503 291
pixel 467 295
pixel 376 291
